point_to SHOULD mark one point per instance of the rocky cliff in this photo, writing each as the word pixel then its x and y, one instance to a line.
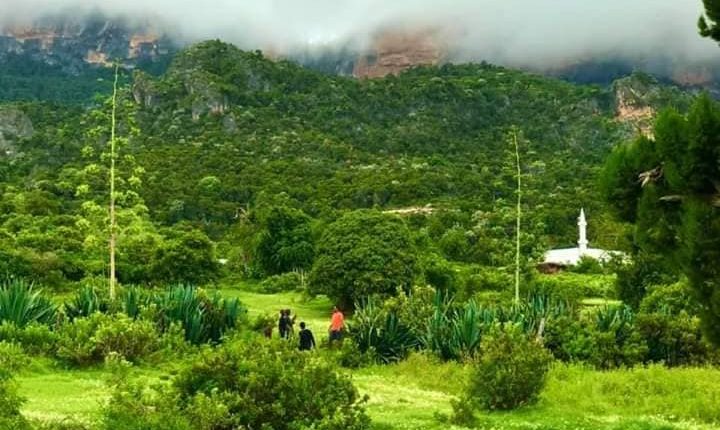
pixel 393 52
pixel 72 44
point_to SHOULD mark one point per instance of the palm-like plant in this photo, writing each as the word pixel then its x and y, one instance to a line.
pixel 21 305
pixel 86 302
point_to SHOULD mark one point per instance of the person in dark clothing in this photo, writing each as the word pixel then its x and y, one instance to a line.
pixel 284 324
pixel 307 340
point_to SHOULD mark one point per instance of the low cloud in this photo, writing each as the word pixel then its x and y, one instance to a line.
pixel 537 33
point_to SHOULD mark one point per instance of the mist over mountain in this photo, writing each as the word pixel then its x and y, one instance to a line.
pixel 585 41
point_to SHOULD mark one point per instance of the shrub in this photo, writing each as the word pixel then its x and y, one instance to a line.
pixel 618 343
pixel 244 384
pixel 673 339
pixel 132 339
pixel 510 372
pixel 20 305
pixel 438 272
pixel 89 340
pixel 380 333
pixel 486 279
pixel 76 343
pixel 364 253
pixel 87 301
pixel 204 318
pixel 671 299
pixel 34 338
pixel 290 281
pixel 11 359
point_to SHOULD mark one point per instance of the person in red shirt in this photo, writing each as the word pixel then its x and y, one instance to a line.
pixel 337 325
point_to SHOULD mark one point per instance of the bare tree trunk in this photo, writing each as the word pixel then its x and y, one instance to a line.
pixel 113 232
pixel 517 218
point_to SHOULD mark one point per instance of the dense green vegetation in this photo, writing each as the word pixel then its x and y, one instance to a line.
pixel 242 178
pixel 229 156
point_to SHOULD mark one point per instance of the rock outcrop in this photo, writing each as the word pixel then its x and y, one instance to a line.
pixel 72 44
pixel 14 124
pixel 394 52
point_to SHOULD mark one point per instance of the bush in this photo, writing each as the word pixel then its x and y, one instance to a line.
pixel 673 339
pixel 381 333
pixel 92 339
pixel 438 272
pixel 11 359
pixel 364 253
pixel 76 343
pixel 486 279
pixel 290 281
pixel 131 339
pixel 617 341
pixel 205 318
pixel 671 299
pixel 20 305
pixel 87 301
pixel 510 372
pixel 245 384
pixel 34 338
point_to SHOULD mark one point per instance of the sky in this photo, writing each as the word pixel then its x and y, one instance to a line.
pixel 514 32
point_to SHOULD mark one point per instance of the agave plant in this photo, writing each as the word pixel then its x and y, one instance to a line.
pixel 381 332
pixel 86 302
pixel 204 319
pixel 467 330
pixel 134 299
pixel 21 305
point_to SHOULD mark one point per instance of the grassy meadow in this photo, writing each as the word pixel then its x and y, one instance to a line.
pixel 417 393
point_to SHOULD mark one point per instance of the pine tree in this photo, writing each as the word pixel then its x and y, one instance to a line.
pixel 674 199
pixel 709 23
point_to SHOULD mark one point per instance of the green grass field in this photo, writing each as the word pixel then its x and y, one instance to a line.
pixel 417 393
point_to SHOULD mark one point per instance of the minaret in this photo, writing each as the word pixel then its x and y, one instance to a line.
pixel 582 227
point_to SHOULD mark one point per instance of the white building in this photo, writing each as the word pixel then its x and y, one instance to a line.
pixel 557 258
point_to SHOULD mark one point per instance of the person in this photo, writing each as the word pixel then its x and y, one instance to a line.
pixel 337 325
pixel 284 324
pixel 307 340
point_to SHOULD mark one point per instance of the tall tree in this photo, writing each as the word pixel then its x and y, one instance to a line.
pixel 669 186
pixel 709 24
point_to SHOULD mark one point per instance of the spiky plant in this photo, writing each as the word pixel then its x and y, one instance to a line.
pixel 21 305
pixel 87 301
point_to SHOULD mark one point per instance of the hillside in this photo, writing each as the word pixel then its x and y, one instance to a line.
pixel 225 132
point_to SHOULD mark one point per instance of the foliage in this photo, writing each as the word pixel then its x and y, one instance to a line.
pixel 285 243
pixel 205 318
pixel 11 358
pixel 35 338
pixel 290 281
pixel 21 305
pixel 380 334
pixel 510 373
pixel 131 339
pixel 362 254
pixel 89 340
pixel 674 206
pixel 188 257
pixel 246 384
pixel 87 301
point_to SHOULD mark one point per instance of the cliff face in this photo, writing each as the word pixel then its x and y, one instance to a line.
pixel 71 44
pixel 394 52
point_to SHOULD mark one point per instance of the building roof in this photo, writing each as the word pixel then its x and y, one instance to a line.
pixel 572 256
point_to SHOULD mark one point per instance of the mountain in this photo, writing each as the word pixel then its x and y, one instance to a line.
pixel 63 57
pixel 66 59
pixel 224 133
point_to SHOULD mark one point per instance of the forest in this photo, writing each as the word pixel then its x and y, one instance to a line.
pixel 243 185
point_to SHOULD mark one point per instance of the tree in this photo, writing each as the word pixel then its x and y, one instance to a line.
pixel 361 254
pixel 186 257
pixel 285 243
pixel 677 208
pixel 709 23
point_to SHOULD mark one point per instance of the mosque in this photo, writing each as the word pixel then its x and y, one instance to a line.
pixel 558 259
